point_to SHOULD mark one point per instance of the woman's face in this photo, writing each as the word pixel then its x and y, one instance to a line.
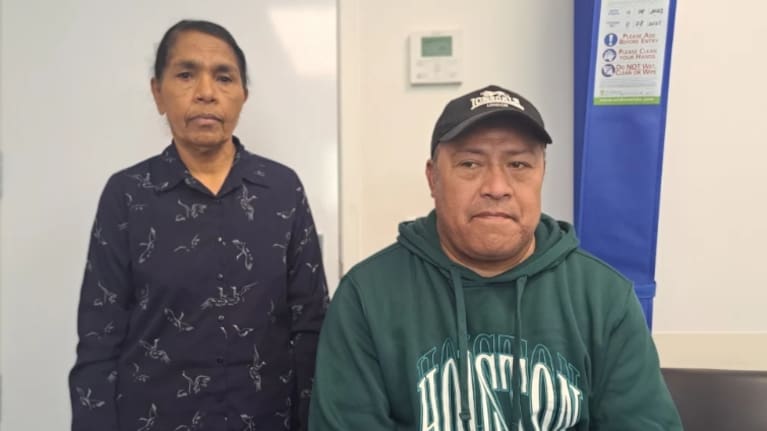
pixel 200 92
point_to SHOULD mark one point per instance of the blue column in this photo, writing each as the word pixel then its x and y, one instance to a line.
pixel 621 91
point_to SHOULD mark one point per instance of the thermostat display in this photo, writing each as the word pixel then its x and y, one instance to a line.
pixel 435 58
pixel 436 46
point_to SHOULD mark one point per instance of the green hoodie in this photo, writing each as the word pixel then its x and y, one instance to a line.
pixel 414 341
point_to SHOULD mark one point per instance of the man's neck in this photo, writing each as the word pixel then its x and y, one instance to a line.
pixel 489 269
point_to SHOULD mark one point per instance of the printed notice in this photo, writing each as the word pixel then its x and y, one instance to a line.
pixel 630 52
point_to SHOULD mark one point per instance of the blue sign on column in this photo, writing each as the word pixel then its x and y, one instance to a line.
pixel 622 59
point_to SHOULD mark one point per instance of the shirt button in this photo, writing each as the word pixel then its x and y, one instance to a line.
pixel 292 342
pixel 220 360
pixel 220 317
pixel 219 276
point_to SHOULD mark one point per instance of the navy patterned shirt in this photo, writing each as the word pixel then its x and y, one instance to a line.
pixel 199 311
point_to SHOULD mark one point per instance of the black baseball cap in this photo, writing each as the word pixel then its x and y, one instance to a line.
pixel 465 111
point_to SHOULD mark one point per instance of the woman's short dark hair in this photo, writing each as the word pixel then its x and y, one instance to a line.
pixel 207 27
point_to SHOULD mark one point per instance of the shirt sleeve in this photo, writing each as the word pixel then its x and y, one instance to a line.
pixel 308 300
pixel 103 315
pixel 631 393
pixel 349 390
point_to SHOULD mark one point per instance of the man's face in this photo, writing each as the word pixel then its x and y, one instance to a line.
pixel 201 91
pixel 487 193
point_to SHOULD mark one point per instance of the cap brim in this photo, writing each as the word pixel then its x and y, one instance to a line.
pixel 538 131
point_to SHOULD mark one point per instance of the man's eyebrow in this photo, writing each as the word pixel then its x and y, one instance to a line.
pixel 469 150
pixel 479 151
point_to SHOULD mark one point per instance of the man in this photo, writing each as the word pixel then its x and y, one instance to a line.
pixel 485 314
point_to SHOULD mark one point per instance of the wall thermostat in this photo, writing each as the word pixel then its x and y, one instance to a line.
pixel 435 57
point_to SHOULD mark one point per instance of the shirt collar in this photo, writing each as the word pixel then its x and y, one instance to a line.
pixel 172 171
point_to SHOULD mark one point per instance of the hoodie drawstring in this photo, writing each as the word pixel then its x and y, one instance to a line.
pixel 463 348
pixel 516 384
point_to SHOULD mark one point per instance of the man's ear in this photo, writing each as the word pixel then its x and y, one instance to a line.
pixel 431 175
pixel 155 85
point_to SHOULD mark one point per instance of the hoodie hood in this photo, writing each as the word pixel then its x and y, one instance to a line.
pixel 553 242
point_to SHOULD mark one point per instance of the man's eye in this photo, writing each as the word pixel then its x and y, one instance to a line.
pixel 519 165
pixel 184 75
pixel 225 78
pixel 468 164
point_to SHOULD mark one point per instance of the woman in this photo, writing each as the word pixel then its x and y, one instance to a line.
pixel 204 289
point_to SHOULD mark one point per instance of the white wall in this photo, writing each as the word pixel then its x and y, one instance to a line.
pixel 76 107
pixel 386 124
pixel 711 253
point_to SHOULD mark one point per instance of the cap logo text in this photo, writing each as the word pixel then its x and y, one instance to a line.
pixel 495 99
